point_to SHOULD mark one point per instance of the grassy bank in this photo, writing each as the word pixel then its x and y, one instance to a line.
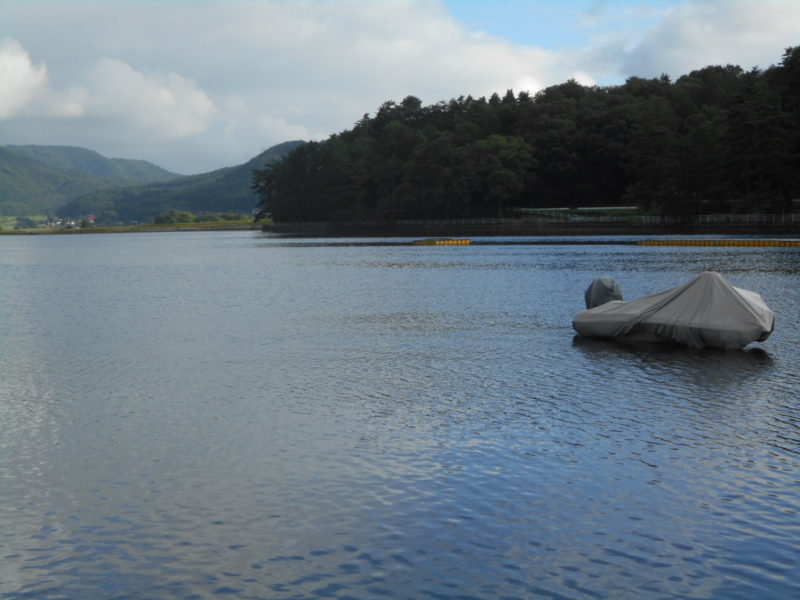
pixel 244 224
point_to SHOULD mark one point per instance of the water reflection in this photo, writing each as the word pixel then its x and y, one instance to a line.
pixel 594 347
pixel 191 415
pixel 711 368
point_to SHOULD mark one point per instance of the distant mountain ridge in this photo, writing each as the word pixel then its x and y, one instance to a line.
pixel 223 190
pixel 36 180
pixel 73 182
pixel 94 163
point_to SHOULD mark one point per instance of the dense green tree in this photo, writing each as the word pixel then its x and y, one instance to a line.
pixel 712 86
pixel 717 139
pixel 703 178
pixel 654 159
pixel 174 216
pixel 760 146
pixel 498 166
pixel 27 223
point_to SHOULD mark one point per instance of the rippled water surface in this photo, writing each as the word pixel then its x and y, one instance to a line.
pixel 226 414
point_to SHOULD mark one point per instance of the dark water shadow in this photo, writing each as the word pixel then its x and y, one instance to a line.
pixel 711 365
pixel 623 346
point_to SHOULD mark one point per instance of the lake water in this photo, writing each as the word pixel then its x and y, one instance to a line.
pixel 195 415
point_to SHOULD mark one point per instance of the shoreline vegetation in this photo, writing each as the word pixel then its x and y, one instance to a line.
pixel 718 141
pixel 512 227
pixel 143 228
pixel 172 220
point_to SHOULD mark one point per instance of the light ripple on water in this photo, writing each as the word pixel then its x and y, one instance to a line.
pixel 327 425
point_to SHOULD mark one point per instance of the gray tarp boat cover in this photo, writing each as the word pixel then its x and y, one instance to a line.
pixel 602 290
pixel 706 311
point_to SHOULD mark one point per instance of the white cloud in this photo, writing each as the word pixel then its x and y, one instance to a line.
pixel 584 78
pixel 26 91
pixel 160 105
pixel 70 103
pixel 21 79
pixel 698 33
pixel 156 106
pixel 364 51
pixel 302 69
pixel 241 120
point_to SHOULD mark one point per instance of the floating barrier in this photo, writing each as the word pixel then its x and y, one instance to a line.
pixel 442 242
pixel 749 243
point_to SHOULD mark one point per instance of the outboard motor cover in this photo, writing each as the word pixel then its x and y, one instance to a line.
pixel 601 290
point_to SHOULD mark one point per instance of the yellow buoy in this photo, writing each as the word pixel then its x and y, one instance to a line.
pixel 442 242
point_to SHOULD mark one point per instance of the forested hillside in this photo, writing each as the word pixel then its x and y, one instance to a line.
pixel 223 190
pixel 121 170
pixel 720 139
pixel 37 180
pixel 29 187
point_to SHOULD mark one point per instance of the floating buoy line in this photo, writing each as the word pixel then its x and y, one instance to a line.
pixel 687 242
pixel 442 242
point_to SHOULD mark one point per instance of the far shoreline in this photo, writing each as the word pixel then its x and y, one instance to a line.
pixel 456 228
pixel 517 228
pixel 179 227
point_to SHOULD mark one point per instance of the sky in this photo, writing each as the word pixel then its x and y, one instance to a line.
pixel 196 85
